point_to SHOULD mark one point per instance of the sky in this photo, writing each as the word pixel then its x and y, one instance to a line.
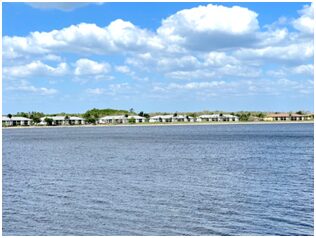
pixel 157 57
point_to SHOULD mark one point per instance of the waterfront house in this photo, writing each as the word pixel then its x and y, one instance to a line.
pixel 161 118
pixel 217 117
pixel 63 120
pixel 16 121
pixel 115 119
pixel 287 117
pixel 171 118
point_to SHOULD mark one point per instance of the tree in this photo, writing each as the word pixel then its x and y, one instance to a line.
pixel 49 121
pixel 175 114
pixel 22 114
pixel 192 115
pixel 141 114
pixel 131 110
pixel 36 119
pixel 10 116
pixel 132 120
pixel 126 115
pixel 300 113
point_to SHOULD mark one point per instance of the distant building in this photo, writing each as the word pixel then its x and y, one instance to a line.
pixel 120 119
pixel 217 117
pixel 16 121
pixel 171 118
pixel 63 120
pixel 161 118
pixel 287 117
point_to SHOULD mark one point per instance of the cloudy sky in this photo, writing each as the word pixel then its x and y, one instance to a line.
pixel 70 57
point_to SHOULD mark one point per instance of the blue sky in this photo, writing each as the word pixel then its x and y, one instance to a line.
pixel 70 57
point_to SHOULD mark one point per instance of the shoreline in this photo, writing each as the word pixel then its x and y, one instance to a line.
pixel 165 124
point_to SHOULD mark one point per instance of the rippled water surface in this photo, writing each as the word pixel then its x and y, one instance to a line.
pixel 161 180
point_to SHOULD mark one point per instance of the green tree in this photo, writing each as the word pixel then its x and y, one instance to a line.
pixel 36 119
pixel 10 116
pixel 141 114
pixel 49 121
pixel 132 120
pixel 300 113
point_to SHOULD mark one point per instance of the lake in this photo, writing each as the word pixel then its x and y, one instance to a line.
pixel 159 180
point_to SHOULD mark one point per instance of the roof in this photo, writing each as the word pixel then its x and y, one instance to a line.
pixel 5 118
pixel 113 117
pixel 217 116
pixel 162 117
pixel 76 118
pixel 62 118
pixel 136 117
pixel 284 115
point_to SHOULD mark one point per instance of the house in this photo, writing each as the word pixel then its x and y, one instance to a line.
pixel 287 117
pixel 217 117
pixel 16 121
pixel 76 120
pixel 63 120
pixel 118 119
pixel 161 118
pixel 227 117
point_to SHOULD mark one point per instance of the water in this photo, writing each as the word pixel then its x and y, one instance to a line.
pixel 162 180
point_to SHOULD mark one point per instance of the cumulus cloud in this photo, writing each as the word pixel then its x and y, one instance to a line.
pixel 292 52
pixel 90 67
pixel 304 69
pixel 118 36
pixel 35 68
pixel 25 86
pixel 305 23
pixel 210 27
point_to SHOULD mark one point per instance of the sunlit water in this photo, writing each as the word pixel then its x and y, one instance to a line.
pixel 162 180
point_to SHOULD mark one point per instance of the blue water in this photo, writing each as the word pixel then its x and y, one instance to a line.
pixel 161 180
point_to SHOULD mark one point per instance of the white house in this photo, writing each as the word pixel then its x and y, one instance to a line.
pixel 171 118
pixel 161 118
pixel 227 117
pixel 16 121
pixel 120 119
pixel 217 117
pixel 62 120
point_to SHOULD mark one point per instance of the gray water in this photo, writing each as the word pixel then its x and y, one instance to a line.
pixel 162 180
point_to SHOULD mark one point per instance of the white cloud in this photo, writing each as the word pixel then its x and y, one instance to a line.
pixel 291 52
pixel 210 27
pixel 90 67
pixel 196 85
pixel 35 68
pixel 95 91
pixel 304 69
pixel 123 69
pixel 25 86
pixel 118 36
pixel 305 23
